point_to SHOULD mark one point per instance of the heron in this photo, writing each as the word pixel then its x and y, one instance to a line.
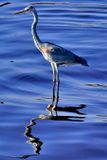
pixel 54 54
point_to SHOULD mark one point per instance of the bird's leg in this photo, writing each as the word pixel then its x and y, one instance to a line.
pixel 50 107
pixel 57 93
pixel 57 88
pixel 53 90
pixel 54 84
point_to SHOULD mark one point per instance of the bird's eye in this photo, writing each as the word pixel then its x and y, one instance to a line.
pixel 31 7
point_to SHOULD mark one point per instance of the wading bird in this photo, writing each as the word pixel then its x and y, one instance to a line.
pixel 55 54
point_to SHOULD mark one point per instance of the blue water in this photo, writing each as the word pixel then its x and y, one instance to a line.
pixel 27 131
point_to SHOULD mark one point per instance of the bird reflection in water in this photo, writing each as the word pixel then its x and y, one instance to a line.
pixel 36 142
pixel 74 109
pixel 33 140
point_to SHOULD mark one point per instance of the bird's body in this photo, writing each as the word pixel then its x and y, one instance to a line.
pixel 59 55
pixel 54 54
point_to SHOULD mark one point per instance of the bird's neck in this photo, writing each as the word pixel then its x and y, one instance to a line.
pixel 36 39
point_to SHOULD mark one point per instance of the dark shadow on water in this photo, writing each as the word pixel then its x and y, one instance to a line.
pixel 25 156
pixel 35 141
pixel 73 109
pixel 97 85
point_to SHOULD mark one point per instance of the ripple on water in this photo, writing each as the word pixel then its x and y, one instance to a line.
pixel 26 83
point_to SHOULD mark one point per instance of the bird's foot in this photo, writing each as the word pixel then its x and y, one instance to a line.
pixel 52 108
pixel 49 108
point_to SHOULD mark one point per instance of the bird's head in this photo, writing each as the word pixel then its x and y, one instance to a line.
pixel 27 9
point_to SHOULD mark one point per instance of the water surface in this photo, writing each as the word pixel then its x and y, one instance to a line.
pixel 26 129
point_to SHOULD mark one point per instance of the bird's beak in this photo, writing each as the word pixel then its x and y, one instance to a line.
pixel 4 4
pixel 20 12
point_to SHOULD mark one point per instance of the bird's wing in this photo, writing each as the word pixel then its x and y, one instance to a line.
pixel 62 56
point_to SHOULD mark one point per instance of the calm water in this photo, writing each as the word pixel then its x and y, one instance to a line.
pixel 80 130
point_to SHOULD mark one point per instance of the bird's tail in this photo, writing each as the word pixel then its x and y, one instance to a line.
pixel 82 61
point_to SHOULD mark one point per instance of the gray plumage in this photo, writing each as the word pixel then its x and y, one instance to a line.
pixel 55 54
